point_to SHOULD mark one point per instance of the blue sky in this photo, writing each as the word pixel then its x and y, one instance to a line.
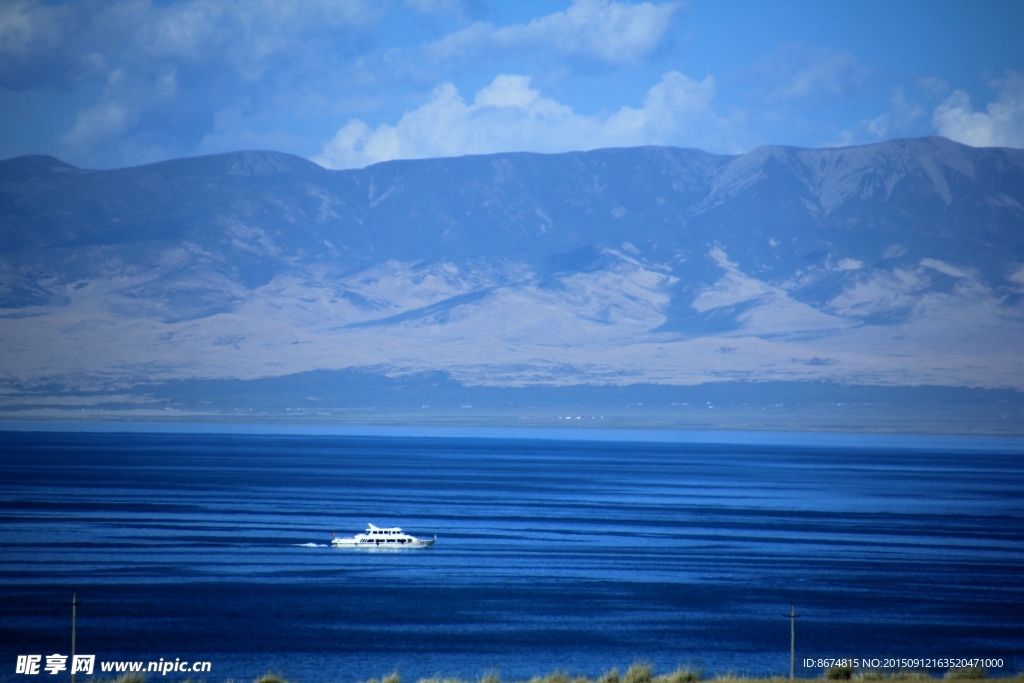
pixel 352 82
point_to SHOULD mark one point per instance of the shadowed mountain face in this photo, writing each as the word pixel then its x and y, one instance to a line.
pixel 900 263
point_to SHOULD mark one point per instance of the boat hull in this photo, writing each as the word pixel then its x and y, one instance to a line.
pixel 379 545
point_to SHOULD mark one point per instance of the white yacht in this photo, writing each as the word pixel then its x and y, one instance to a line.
pixel 375 537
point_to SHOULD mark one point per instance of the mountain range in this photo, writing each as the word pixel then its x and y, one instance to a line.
pixel 895 264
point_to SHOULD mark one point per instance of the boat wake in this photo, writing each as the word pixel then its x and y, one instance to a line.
pixel 311 545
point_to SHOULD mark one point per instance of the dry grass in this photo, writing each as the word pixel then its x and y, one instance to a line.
pixel 681 675
pixel 130 678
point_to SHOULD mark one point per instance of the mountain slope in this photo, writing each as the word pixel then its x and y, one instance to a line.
pixel 900 263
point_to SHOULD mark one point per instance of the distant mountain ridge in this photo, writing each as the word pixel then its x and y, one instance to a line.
pixel 898 263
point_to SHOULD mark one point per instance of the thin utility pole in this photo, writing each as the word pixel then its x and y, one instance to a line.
pixel 74 618
pixel 792 639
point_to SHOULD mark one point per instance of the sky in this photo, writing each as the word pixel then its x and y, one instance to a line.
pixel 348 83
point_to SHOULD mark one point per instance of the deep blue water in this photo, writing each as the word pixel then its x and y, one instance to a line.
pixel 568 555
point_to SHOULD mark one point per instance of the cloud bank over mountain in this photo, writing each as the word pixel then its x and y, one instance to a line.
pixel 1000 125
pixel 106 84
pixel 899 264
pixel 508 115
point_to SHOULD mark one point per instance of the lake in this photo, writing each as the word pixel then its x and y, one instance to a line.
pixel 571 554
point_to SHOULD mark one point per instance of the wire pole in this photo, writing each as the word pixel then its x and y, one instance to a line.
pixel 74 618
pixel 792 639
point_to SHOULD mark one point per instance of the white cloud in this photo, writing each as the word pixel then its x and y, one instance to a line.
pixel 1017 276
pixel 943 267
pixel 246 36
pixel 893 251
pixel 141 74
pixel 23 24
pixel 134 33
pixel 33 43
pixel 803 72
pixel 600 29
pixel 509 115
pixel 1000 125
pixel 101 122
pixel 901 119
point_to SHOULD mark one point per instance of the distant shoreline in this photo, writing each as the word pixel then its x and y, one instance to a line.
pixel 1009 443
pixel 357 399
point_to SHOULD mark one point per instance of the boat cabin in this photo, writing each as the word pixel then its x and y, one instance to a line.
pixel 378 535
